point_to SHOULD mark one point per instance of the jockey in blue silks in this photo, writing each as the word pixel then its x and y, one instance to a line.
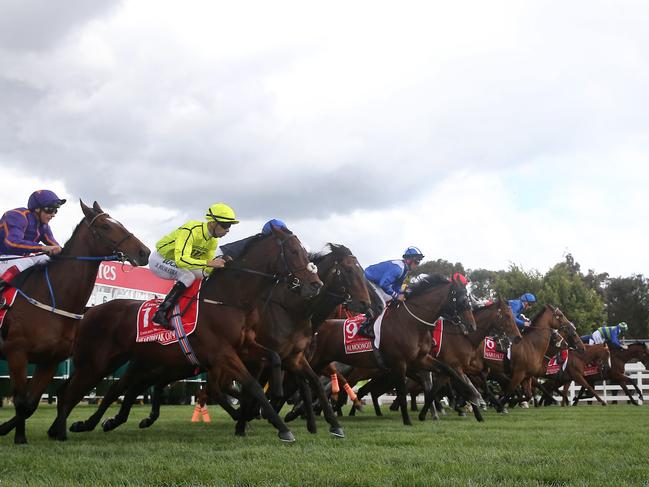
pixel 25 232
pixel 387 279
pixel 609 335
pixel 518 306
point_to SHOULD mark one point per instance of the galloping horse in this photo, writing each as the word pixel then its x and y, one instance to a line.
pixel 227 304
pixel 527 355
pixel 575 366
pixel 619 357
pixel 405 334
pixel 343 282
pixel 45 334
pixel 457 348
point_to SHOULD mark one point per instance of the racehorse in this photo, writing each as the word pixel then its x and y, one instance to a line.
pixel 227 305
pixel 619 357
pixel 281 331
pixel 45 333
pixel 405 334
pixel 527 355
pixel 575 366
pixel 457 348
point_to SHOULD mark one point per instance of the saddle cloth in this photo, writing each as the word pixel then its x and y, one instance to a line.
pixel 148 331
pixel 591 369
pixel 355 343
pixel 491 351
pixel 554 365
pixel 10 296
pixel 437 333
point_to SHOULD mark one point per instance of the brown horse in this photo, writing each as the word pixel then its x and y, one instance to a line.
pixel 106 338
pixel 405 334
pixel 343 280
pixel 527 355
pixel 44 335
pixel 619 357
pixel 574 370
pixel 458 348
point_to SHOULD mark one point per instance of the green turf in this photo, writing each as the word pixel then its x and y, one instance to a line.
pixel 588 445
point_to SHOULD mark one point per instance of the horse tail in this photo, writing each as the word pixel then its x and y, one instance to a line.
pixel 468 391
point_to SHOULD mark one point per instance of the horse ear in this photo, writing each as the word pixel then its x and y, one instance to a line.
pixel 86 210
pixel 96 206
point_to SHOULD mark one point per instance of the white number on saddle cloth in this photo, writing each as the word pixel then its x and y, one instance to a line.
pixel 353 342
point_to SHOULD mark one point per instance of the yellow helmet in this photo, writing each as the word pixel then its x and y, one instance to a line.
pixel 221 213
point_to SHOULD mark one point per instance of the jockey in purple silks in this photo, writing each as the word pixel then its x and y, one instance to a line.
pixel 25 236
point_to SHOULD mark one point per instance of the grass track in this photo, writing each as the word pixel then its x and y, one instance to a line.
pixel 587 445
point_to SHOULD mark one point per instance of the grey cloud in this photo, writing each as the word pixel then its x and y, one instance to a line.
pixel 36 25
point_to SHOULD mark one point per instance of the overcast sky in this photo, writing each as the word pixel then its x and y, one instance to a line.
pixel 488 133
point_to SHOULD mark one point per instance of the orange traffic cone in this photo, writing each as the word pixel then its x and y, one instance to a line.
pixel 206 415
pixel 197 414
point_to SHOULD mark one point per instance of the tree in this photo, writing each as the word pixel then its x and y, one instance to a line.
pixel 483 282
pixel 628 300
pixel 515 281
pixel 564 286
pixel 439 266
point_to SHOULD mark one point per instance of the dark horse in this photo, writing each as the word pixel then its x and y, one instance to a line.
pixel 46 336
pixel 344 282
pixel 228 298
pixel 619 357
pixel 405 334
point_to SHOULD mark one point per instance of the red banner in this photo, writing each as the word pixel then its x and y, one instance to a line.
pixel 126 276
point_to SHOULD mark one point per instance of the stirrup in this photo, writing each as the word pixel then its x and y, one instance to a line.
pixel 160 319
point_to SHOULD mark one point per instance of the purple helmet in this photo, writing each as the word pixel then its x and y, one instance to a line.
pixel 44 198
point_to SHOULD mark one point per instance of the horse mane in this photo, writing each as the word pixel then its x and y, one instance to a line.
pixel 331 249
pixel 424 282
pixel 539 313
pixel 72 237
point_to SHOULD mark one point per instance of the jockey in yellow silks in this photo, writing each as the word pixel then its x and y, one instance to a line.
pixel 187 254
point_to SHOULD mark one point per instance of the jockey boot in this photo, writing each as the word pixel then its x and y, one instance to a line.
pixel 3 285
pixel 160 316
pixel 366 328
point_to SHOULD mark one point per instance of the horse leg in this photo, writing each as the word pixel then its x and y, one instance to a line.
pixel 476 409
pixel 135 381
pixel 114 391
pixel 156 400
pixel 579 395
pixel 334 426
pixel 232 366
pixel 581 380
pixel 18 373
pixel 399 378
pixel 27 403
pixel 623 384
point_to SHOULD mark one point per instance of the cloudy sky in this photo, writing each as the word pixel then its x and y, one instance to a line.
pixel 483 132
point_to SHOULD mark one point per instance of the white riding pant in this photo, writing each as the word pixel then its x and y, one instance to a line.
pixel 21 263
pixel 168 269
pixel 385 297
pixel 596 338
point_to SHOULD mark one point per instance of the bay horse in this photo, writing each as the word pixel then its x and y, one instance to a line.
pixel 227 305
pixel 527 355
pixel 458 348
pixel 619 357
pixel 575 366
pixel 45 334
pixel 405 334
pixel 343 282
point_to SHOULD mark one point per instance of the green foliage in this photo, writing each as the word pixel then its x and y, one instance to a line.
pixel 483 283
pixel 439 266
pixel 515 281
pixel 628 300
pixel 564 286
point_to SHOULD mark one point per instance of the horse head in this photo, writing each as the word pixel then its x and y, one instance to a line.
pixel 282 255
pixel 565 326
pixel 458 305
pixel 111 238
pixel 343 277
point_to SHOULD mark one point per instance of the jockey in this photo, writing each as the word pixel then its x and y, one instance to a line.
pixel 609 335
pixel 518 306
pixel 187 253
pixel 22 231
pixel 387 280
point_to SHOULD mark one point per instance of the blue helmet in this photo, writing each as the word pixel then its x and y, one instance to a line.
pixel 44 198
pixel 267 226
pixel 528 298
pixel 413 253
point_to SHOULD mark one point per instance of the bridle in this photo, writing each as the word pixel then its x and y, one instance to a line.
pixel 109 243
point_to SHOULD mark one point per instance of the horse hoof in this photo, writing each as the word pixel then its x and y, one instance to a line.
pixel 422 417
pixel 286 437
pixel 109 425
pixel 145 423
pixel 78 427
pixel 312 429
pixel 337 432
pixel 20 441
pixel 504 411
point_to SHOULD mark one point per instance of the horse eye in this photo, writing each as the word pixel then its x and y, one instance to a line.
pixel 105 226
